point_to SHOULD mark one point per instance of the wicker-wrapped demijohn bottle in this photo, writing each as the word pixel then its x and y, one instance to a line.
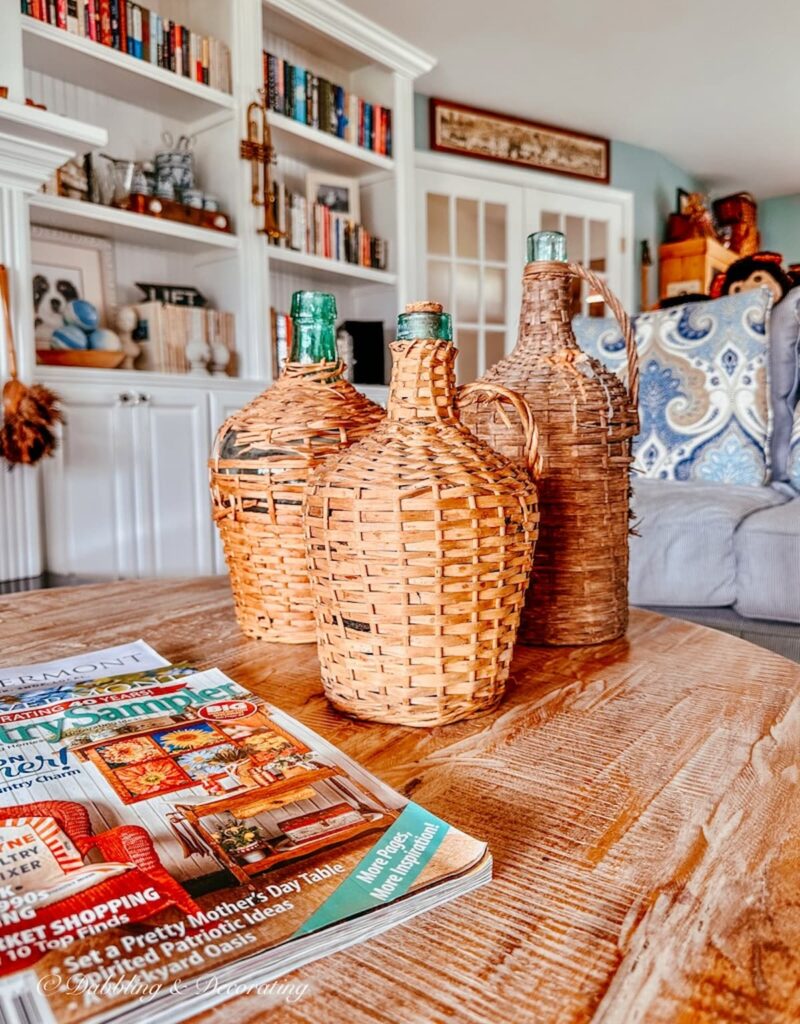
pixel 259 466
pixel 420 542
pixel 586 419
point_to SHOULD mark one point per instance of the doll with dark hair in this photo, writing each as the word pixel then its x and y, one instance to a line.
pixel 761 270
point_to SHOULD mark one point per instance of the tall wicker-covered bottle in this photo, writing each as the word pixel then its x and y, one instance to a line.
pixel 586 419
pixel 260 463
pixel 419 542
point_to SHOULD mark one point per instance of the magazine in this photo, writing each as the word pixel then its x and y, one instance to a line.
pixel 134 657
pixel 164 828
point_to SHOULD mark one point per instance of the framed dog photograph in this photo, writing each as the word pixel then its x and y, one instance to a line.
pixel 68 266
pixel 339 194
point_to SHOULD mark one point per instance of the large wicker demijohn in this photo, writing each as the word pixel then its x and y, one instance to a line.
pixel 420 540
pixel 586 419
pixel 261 460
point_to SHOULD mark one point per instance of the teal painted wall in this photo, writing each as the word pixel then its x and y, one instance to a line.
pixel 421 122
pixel 779 223
pixel 651 177
pixel 654 181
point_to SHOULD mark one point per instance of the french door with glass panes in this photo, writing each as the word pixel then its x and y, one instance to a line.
pixel 471 235
pixel 595 239
pixel 469 231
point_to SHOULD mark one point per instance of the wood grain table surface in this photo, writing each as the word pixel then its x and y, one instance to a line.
pixel 641 800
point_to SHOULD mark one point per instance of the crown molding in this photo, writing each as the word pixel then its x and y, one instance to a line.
pixel 359 33
pixel 34 143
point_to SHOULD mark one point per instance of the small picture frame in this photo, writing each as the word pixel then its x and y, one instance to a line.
pixel 66 266
pixel 681 197
pixel 339 194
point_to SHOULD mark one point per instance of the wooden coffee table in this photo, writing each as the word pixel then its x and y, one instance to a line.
pixel 641 800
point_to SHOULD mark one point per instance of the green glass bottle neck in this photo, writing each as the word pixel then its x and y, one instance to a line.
pixel 313 341
pixel 426 323
pixel 423 383
pixel 549 246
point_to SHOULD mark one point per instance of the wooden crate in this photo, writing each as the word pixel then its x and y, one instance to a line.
pixel 690 266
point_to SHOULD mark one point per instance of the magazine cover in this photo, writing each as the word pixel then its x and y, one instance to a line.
pixel 165 823
pixel 112 661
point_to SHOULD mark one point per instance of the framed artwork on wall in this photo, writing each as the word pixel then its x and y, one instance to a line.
pixel 470 131
pixel 68 266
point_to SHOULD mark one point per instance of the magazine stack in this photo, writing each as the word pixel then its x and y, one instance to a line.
pixel 163 828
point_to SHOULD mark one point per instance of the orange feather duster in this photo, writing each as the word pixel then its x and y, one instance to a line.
pixel 30 413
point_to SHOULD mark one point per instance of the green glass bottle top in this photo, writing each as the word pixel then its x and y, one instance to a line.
pixel 313 328
pixel 547 245
pixel 424 320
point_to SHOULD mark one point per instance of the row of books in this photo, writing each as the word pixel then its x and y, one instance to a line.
pixel 316 230
pixel 297 93
pixel 142 33
pixel 165 330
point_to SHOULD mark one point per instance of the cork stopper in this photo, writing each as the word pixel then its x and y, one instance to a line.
pixel 424 307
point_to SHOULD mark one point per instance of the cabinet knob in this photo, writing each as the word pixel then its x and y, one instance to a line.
pixel 126 398
pixel 143 397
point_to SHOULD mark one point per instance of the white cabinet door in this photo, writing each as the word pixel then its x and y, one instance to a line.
pixel 127 491
pixel 471 239
pixel 223 404
pixel 90 515
pixel 172 499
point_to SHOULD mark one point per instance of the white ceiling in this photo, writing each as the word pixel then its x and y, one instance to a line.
pixel 712 84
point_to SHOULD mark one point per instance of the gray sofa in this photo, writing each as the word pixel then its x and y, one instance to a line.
pixel 723 555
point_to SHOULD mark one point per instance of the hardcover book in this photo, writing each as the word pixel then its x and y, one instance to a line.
pixel 161 826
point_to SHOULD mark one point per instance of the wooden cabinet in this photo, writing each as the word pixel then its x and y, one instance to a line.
pixel 690 266
pixel 127 493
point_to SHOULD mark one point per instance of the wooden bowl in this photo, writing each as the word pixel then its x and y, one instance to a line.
pixel 79 357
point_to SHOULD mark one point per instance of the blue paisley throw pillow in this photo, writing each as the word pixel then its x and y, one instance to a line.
pixel 703 394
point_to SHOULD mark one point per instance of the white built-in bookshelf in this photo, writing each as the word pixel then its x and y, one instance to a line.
pixel 165 423
pixel 363 59
pixel 137 102
pixel 80 61
pixel 123 226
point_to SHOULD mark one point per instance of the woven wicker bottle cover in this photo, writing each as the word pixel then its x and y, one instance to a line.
pixel 259 466
pixel 419 542
pixel 586 419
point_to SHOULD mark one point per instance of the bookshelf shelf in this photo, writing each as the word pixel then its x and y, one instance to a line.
pixel 124 226
pixel 91 65
pixel 322 271
pixel 325 152
pixel 133 379
pixel 42 127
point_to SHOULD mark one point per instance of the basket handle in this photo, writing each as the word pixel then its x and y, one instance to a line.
pixel 523 410
pixel 598 284
pixel 6 303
